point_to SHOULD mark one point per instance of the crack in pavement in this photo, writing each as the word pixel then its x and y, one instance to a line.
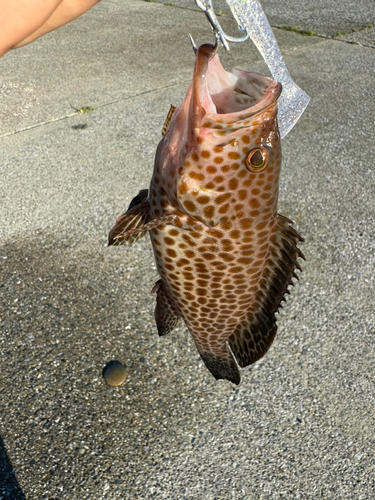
pixel 149 91
pixel 69 115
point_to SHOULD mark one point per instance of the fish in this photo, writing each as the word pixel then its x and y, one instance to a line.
pixel 224 255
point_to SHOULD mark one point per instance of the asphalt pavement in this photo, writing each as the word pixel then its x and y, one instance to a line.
pixel 81 114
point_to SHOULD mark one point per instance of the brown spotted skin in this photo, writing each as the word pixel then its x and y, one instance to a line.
pixel 225 257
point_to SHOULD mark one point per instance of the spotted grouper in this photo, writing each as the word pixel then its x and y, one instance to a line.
pixel 224 255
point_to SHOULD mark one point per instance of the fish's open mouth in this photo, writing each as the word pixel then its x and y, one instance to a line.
pixel 219 92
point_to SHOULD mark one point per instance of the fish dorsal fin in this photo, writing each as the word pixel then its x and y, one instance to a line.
pixel 168 119
pixel 254 335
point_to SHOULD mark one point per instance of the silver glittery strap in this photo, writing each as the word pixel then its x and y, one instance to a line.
pixel 293 101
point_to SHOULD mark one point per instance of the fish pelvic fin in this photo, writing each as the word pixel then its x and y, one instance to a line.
pixel 165 315
pixel 140 198
pixel 254 335
pixel 221 364
pixel 168 119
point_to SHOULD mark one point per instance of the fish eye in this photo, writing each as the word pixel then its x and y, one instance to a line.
pixel 257 159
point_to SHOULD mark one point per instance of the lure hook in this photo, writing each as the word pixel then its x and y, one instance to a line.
pixel 221 36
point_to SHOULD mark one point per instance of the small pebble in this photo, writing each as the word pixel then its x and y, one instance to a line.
pixel 114 373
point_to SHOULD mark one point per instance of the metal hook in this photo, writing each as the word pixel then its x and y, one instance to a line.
pixel 221 37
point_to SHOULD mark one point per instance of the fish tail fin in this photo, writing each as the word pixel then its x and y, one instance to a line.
pixel 165 315
pixel 221 364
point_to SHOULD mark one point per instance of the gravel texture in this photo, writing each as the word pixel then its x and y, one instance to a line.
pixel 325 17
pixel 301 423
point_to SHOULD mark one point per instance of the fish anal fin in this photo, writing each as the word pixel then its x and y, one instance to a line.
pixel 129 226
pixel 221 364
pixel 255 333
pixel 165 316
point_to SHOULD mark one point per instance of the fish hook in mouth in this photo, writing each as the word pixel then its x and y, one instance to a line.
pixel 214 47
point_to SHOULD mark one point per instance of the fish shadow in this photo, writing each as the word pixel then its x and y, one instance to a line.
pixel 9 487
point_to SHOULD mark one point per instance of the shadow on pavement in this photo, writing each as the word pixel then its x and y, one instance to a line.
pixel 9 487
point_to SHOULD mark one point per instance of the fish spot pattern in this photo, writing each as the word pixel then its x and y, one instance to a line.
pixel 225 266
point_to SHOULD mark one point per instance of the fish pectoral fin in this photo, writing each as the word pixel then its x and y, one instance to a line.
pixel 129 226
pixel 165 315
pixel 221 364
pixel 255 333
pixel 133 230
